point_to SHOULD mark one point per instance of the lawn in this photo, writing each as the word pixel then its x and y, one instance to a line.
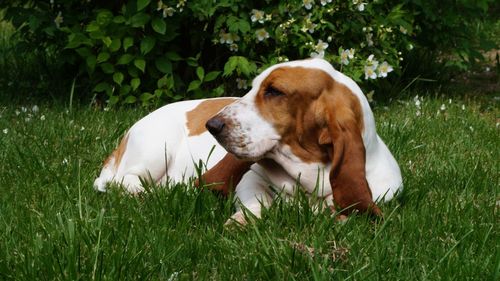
pixel 53 225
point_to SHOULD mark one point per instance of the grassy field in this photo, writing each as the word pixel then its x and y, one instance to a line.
pixel 53 225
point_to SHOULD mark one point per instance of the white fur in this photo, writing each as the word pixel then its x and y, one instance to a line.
pixel 159 147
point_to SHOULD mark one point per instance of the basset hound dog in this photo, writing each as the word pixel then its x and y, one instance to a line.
pixel 302 125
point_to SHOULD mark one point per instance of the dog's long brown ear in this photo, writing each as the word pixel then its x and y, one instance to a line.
pixel 343 131
pixel 226 174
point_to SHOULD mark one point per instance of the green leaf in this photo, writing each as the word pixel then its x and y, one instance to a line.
pixel 244 26
pixel 77 39
pixel 240 64
pixel 107 41
pixel 212 76
pixel 125 59
pixel 113 100
pixel 147 44
pixel 107 68
pixel 118 78
pixel 195 84
pixel 91 62
pixel 173 56
pixel 84 52
pixel 140 64
pixel 102 57
pixel 115 45
pixel 200 72
pixel 230 66
pixel 159 25
pixel 130 100
pixel 146 96
pixel 164 65
pixel 92 26
pixel 125 90
pixel 119 19
pixel 141 4
pixel 133 71
pixel 139 20
pixel 135 83
pixel 101 87
pixel 127 43
pixel 104 17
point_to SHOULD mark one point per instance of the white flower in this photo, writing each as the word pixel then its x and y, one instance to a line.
pixel 324 2
pixel 35 109
pixel 361 7
pixel 181 5
pixel 417 102
pixel 350 53
pixel 370 72
pixel 160 5
pixel 319 49
pixel 257 15
pixel 319 55
pixel 344 57
pixel 168 11
pixel 371 61
pixel 24 109
pixel 261 34
pixel 42 117
pixel 65 161
pixel 369 95
pixel 443 107
pixel 225 37
pixel 280 59
pixel 82 128
pixel 369 39
pixel 308 26
pixel 59 19
pixel 308 4
pixel 384 69
pixel 241 83
pixel 463 106
pixel 329 39
pixel 18 112
pixel 321 46
pixel 410 47
pixel 5 131
pixel 403 30
pixel 418 113
pixel 233 47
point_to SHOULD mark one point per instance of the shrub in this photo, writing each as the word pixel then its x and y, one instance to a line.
pixel 143 51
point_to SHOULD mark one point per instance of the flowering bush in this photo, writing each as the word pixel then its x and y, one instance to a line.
pixel 143 51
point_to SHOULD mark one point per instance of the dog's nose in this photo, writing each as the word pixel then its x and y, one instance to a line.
pixel 215 125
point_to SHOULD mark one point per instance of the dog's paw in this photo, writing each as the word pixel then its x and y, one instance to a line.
pixel 99 185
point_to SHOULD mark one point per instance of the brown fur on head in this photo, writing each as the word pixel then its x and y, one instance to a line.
pixel 321 120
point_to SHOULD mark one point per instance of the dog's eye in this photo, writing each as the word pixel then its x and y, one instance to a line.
pixel 273 92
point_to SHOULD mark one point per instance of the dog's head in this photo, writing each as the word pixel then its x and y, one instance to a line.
pixel 310 108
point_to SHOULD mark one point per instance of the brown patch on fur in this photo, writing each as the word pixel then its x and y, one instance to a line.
pixel 117 153
pixel 226 174
pixel 197 117
pixel 322 121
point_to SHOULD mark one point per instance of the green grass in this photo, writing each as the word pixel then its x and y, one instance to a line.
pixel 53 225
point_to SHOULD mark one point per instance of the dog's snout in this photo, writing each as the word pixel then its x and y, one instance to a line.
pixel 215 125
